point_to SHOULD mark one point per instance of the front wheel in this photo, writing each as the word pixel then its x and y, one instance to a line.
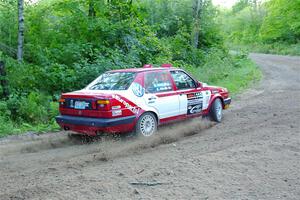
pixel 146 125
pixel 216 110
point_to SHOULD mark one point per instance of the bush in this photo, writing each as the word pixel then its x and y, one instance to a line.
pixel 35 108
pixel 6 126
pixel 34 112
pixel 236 72
pixel 4 111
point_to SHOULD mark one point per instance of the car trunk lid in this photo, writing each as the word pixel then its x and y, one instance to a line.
pixel 85 103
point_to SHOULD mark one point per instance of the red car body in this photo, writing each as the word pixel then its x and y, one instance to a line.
pixel 161 91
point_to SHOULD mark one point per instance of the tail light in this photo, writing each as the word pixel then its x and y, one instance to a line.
pixel 62 102
pixel 103 104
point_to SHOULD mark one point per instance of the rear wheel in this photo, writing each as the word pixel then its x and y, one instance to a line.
pixel 75 138
pixel 216 110
pixel 146 125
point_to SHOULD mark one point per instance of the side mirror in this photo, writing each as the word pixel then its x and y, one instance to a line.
pixel 199 84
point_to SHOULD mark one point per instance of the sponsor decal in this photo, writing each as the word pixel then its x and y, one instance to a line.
pixel 116 113
pixel 213 91
pixel 133 109
pixel 189 96
pixel 137 89
pixel 164 86
pixel 194 101
pixel 115 107
pixel 195 109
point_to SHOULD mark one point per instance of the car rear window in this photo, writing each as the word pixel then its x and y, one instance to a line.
pixel 112 81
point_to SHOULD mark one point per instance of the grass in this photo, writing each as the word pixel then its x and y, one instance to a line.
pixel 274 48
pixel 240 78
pixel 19 125
pixel 7 127
pixel 235 73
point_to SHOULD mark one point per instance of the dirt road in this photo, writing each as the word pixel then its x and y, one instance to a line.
pixel 253 154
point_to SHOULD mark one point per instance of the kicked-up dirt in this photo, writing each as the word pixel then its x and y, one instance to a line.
pixel 253 154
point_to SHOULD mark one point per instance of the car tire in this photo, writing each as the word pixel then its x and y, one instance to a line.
pixel 75 138
pixel 216 110
pixel 146 125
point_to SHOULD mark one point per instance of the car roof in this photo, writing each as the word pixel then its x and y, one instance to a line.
pixel 143 69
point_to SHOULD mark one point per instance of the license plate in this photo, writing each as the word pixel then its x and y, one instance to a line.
pixel 80 105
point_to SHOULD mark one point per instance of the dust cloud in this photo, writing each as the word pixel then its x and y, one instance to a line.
pixel 112 148
pixel 105 147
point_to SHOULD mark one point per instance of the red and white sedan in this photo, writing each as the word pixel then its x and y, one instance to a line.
pixel 139 99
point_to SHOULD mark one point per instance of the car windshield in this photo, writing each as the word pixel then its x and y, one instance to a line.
pixel 112 81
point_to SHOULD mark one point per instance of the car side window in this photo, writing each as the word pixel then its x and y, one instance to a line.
pixel 182 80
pixel 158 82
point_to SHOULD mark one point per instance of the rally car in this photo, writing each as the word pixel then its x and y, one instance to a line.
pixel 138 100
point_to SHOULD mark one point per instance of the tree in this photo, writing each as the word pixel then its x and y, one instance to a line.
pixel 20 30
pixel 8 27
pixel 3 81
pixel 92 12
pixel 243 22
pixel 196 29
pixel 282 21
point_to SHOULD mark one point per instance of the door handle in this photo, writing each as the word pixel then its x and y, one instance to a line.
pixel 151 98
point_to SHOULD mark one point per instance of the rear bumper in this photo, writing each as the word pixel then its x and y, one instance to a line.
pixel 93 126
pixel 94 122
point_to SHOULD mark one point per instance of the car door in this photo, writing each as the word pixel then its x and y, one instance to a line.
pixel 160 94
pixel 190 96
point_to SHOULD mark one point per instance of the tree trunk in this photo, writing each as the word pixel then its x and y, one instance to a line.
pixel 92 12
pixel 20 30
pixel 3 81
pixel 255 5
pixel 196 28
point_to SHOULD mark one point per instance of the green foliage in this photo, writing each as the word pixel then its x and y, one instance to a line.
pixel 4 111
pixel 282 21
pixel 33 108
pixel 66 47
pixel 270 27
pixel 22 113
pixel 237 70
pixel 242 24
pixel 272 48
pixel 6 125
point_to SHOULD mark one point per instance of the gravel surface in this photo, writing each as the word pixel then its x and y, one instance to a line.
pixel 253 154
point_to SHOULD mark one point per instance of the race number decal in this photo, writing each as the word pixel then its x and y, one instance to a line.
pixel 195 102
